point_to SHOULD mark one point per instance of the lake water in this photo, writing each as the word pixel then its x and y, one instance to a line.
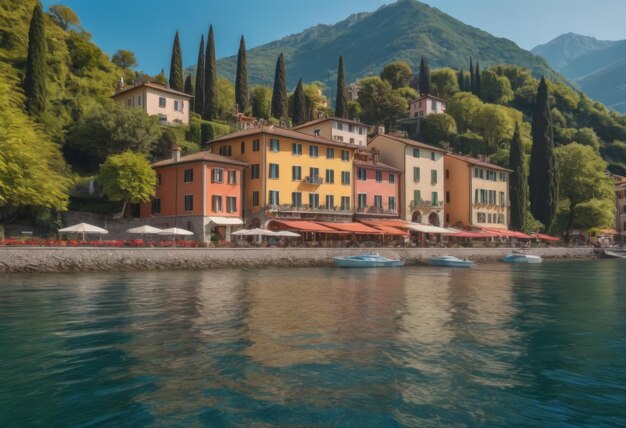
pixel 418 346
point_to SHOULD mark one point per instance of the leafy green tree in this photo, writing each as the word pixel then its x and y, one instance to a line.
pixel 587 137
pixel 518 76
pixel 424 81
pixel 464 107
pixel 408 93
pixel 354 109
pixel 188 87
pixel 127 177
pixel 64 17
pixel 444 82
pixel 109 129
pixel 261 100
pixel 124 59
pixel 587 193
pixel 495 124
pixel 279 95
pixel 35 80
pixel 166 142
pixel 543 180
pixel 315 100
pixel 299 105
pixel 210 79
pixel 397 73
pixel 242 99
pixel 495 89
pixel 518 182
pixel 341 104
pixel 438 129
pixel 380 104
pixel 160 78
pixel 177 75
pixel 198 106
pixel 225 98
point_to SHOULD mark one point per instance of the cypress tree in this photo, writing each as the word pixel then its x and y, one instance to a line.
pixel 477 80
pixel 177 75
pixel 424 77
pixel 241 80
pixel 210 79
pixel 460 78
pixel 35 79
pixel 199 98
pixel 188 85
pixel 543 178
pixel 299 105
pixel 279 95
pixel 341 104
pixel 472 87
pixel 518 182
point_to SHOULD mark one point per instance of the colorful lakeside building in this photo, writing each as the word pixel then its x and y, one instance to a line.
pixel 376 186
pixel 477 193
pixel 337 129
pixel 291 174
pixel 201 192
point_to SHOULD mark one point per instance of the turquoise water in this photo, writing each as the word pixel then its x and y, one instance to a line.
pixel 496 345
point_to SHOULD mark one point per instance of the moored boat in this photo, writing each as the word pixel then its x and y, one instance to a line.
pixel 517 257
pixel 449 261
pixel 367 261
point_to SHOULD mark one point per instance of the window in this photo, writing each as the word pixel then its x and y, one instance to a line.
pixel 216 203
pixel 379 176
pixel 162 118
pixel 345 155
pixel 433 176
pixel 159 177
pixel 161 102
pixel 255 199
pixel 217 175
pixel 296 173
pixel 316 132
pixel 362 174
pixel 447 218
pixel 417 197
pixel 226 151
pixel 274 197
pixel 156 206
pixel 345 177
pixel 254 171
pixel 314 173
pixel 392 203
pixel 416 173
pixel 434 198
pixel 330 202
pixel 231 204
pixel 361 130
pixel 345 203
pixel 330 176
pixel 330 153
pixel 351 140
pixel 350 128
pixel 378 201
pixel 416 152
pixel 433 156
pixel 243 147
pixel 433 105
pixel 340 126
pixel 178 106
pixel 273 170
pixel 447 174
pixel 313 151
pixel 500 218
pixel 489 218
pixel 296 149
pixel 188 202
pixel 502 176
pixel 502 201
pixel 296 199
pixel 392 177
pixel 255 145
pixel 139 100
pixel 314 200
pixel 274 145
pixel 447 197
pixel 361 201
pixel 481 218
pixel 188 175
pixel 338 138
pixel 232 177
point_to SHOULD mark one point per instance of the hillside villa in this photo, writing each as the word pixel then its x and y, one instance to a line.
pixel 421 180
pixel 477 193
pixel 376 186
pixel 353 91
pixel 170 106
pixel 426 105
pixel 337 129
pixel 201 192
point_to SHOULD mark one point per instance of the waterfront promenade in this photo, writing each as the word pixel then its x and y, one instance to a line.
pixel 86 259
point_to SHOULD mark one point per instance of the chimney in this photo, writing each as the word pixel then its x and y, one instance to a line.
pixel 175 153
pixel 120 84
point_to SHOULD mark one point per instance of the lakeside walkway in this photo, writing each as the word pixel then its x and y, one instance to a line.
pixel 93 259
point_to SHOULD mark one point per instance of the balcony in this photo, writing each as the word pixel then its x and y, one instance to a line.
pixel 314 180
pixel 305 208
pixel 376 210
pixel 426 205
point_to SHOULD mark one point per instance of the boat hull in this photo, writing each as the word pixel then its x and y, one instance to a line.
pixel 347 262
pixel 521 258
pixel 450 263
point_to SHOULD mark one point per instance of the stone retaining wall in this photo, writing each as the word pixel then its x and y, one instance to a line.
pixel 81 259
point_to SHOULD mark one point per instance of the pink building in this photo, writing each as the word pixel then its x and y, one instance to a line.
pixel 427 105
pixel 376 186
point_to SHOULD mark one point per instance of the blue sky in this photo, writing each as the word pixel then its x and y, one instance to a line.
pixel 147 27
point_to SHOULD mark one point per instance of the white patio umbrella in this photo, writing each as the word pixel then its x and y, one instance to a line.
pixel 254 232
pixel 175 231
pixel 287 234
pixel 84 228
pixel 144 230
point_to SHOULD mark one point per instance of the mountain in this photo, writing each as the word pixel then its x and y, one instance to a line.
pixel 597 67
pixel 404 30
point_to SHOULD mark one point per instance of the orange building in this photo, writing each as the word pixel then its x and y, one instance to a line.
pixel 476 193
pixel 201 192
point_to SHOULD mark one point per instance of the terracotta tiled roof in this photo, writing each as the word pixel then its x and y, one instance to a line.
pixel 377 165
pixel 203 156
pixel 408 142
pixel 152 85
pixel 477 162
pixel 336 119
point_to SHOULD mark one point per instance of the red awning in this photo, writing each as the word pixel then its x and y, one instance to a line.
pixel 505 232
pixel 358 228
pixel 300 226
pixel 389 223
pixel 545 237
pixel 388 230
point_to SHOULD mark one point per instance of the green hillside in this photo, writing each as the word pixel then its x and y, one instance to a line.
pixel 405 30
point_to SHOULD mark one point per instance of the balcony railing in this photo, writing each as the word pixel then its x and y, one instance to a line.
pixel 314 180
pixel 305 208
pixel 425 204
pixel 376 210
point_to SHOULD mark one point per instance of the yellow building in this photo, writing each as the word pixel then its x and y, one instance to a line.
pixel 291 174
pixel 476 193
